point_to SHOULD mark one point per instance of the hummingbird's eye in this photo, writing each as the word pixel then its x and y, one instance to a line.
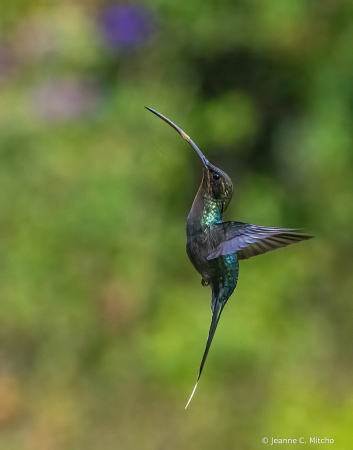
pixel 215 176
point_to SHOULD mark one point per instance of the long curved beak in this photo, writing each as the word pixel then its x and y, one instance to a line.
pixel 204 160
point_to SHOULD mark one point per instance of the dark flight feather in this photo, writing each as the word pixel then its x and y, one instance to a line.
pixel 250 240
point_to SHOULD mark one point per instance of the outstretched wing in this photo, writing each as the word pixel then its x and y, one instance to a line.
pixel 251 240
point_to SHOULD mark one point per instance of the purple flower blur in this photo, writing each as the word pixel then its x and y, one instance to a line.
pixel 127 26
pixel 64 99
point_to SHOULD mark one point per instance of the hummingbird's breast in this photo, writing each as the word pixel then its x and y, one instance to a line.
pixel 201 242
pixel 218 272
pixel 204 234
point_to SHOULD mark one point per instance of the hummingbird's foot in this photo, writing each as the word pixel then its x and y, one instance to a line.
pixel 205 282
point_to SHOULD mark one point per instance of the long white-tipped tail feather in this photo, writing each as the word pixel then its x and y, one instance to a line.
pixel 192 394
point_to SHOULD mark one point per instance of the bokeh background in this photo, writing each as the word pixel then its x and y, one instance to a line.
pixel 103 320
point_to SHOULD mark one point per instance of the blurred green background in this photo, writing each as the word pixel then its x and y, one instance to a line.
pixel 103 319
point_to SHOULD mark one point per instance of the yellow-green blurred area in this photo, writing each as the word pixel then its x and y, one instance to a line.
pixel 103 320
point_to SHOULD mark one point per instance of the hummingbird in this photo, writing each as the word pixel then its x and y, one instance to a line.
pixel 215 247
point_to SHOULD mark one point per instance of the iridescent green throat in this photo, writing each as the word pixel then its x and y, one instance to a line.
pixel 211 213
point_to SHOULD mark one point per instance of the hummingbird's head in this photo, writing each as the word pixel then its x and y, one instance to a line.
pixel 216 184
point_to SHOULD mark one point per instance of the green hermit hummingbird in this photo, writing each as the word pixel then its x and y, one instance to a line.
pixel 215 247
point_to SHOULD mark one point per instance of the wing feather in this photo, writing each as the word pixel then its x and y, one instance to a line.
pixel 250 240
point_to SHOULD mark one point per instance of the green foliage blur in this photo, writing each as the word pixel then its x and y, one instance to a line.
pixel 103 320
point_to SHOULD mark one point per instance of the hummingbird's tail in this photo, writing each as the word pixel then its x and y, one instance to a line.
pixel 216 314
